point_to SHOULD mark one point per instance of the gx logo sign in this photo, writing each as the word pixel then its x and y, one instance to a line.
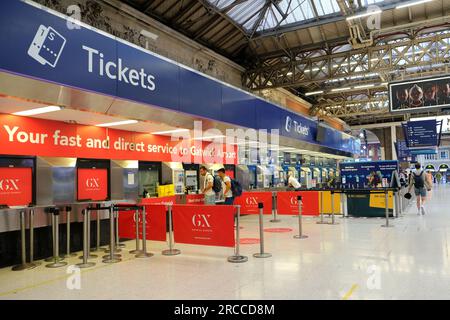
pixel 251 201
pixel 93 183
pixel 201 220
pixel 9 185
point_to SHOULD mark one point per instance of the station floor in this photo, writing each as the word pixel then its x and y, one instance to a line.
pixel 356 259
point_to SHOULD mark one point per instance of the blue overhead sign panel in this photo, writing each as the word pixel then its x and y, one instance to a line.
pixel 45 48
pixel 421 134
pixel 356 173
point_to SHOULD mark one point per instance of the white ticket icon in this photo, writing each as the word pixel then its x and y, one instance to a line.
pixel 47 46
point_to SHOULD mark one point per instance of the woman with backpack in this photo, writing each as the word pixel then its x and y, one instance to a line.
pixel 419 180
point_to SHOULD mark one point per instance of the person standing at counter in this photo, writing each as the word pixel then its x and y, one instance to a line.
pixel 374 180
pixel 207 190
pixel 420 182
pixel 226 180
pixel 293 182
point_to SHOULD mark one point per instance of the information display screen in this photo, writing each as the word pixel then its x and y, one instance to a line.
pixel 419 95
pixel 421 134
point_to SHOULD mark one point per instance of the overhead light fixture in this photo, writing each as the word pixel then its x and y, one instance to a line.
pixel 35 111
pixel 313 93
pixel 365 86
pixel 340 89
pixel 149 34
pixel 289 73
pixel 412 3
pixel 171 131
pixel 117 123
pixel 365 14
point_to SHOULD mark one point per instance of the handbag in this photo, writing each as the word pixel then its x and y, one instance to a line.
pixel 408 195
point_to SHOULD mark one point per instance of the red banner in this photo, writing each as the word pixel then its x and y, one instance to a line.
pixel 92 184
pixel 155 219
pixel 195 199
pixel 48 138
pixel 204 225
pixel 249 202
pixel 16 186
pixel 287 202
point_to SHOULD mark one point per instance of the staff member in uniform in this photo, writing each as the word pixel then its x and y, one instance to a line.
pixel 293 182
pixel 226 180
pixel 207 190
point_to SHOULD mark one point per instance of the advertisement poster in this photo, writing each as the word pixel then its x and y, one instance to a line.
pixel 92 184
pixel 16 186
pixel 420 95
pixel 204 225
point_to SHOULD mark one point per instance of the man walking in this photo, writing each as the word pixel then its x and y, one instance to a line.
pixel 421 185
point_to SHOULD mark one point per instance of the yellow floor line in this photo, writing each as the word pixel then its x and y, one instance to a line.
pixel 14 291
pixel 350 292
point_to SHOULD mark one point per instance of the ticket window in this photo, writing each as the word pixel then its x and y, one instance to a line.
pixel 17 181
pixel 93 180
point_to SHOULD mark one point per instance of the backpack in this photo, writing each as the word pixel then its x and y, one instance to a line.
pixel 217 184
pixel 236 188
pixel 418 181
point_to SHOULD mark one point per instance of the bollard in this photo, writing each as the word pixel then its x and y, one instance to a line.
pixel 111 258
pixel 333 218
pixel 144 253
pixel 275 210
pixel 300 226
pixel 261 253
pixel 32 238
pixel 171 251
pixel 118 243
pixel 68 221
pixel 386 204
pixel 23 265
pixel 57 261
pixel 136 223
pixel 237 258
pixel 321 209
pixel 85 263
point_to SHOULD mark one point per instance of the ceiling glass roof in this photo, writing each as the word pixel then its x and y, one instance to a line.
pixel 260 15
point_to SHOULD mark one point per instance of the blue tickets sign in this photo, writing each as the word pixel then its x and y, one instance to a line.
pixel 37 43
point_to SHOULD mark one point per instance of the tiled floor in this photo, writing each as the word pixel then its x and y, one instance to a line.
pixel 356 259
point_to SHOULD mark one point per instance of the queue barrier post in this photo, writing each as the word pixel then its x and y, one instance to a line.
pixel 56 259
pixel 111 258
pixel 88 219
pixel 136 224
pixel 275 209
pixel 68 210
pixel 261 253
pixel 171 251
pixel 300 226
pixel 333 218
pixel 31 225
pixel 237 257
pixel 321 209
pixel 386 210
pixel 97 227
pixel 23 265
pixel 85 256
pixel 118 243
pixel 144 253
